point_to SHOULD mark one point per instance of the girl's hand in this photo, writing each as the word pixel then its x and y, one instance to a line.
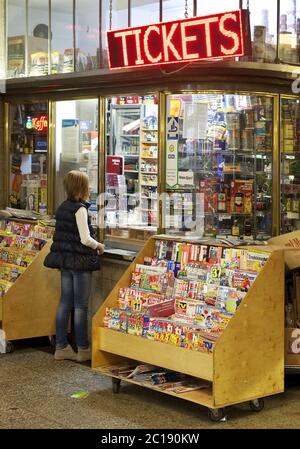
pixel 100 249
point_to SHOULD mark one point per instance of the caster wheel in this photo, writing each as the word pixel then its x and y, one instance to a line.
pixel 52 340
pixel 116 384
pixel 9 347
pixel 257 405
pixel 217 415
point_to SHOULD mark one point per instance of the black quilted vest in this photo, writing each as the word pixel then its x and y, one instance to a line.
pixel 67 252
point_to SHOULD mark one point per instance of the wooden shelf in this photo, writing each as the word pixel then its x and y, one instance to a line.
pixel 248 358
pixel 203 396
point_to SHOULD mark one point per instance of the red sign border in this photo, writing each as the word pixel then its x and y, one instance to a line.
pixel 242 17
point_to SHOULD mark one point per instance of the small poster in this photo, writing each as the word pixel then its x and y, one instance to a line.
pixel 186 178
pixel 172 164
pixel 115 164
pixel 70 140
pixel 175 107
pixel 195 120
pixel 173 128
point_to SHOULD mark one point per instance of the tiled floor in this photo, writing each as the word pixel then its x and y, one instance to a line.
pixel 36 393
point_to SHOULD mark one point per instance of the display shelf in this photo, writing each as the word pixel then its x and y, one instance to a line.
pixel 247 362
pixel 148 143
pixel 130 155
pixel 131 171
pixel 153 184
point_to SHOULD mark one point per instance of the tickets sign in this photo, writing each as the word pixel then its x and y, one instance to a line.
pixel 218 36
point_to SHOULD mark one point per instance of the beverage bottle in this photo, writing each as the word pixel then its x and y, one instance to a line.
pixel 235 231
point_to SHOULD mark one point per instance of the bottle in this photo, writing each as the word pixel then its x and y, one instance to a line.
pixel 247 228
pixel 235 230
pixel 222 200
pixel 239 202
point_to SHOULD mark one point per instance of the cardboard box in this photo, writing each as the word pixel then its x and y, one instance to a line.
pixel 289 241
pixel 292 346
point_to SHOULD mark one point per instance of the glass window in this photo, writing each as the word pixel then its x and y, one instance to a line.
pixel 289 49
pixel 28 143
pixel 87 35
pixel 216 6
pixel 144 12
pixel 175 9
pixel 263 19
pixel 118 20
pixel 62 45
pixel 219 165
pixel 16 31
pixel 76 145
pixel 2 42
pixel 131 167
pixel 290 165
pixel 38 33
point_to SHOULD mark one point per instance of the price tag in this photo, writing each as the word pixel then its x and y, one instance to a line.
pixel 224 217
pixel 216 273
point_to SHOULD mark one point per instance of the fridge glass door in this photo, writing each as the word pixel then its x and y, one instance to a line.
pixel 290 165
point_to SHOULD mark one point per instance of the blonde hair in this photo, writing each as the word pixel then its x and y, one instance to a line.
pixel 76 184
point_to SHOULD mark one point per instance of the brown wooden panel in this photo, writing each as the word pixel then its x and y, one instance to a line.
pixel 29 307
pixel 249 356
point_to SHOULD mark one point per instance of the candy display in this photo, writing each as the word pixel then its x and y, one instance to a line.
pixel 186 294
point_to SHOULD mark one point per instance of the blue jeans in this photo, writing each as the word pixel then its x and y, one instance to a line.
pixel 75 292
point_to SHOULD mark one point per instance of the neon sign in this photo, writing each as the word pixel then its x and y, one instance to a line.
pixel 40 124
pixel 216 36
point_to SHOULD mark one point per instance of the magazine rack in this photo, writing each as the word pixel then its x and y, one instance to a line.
pixel 28 309
pixel 247 362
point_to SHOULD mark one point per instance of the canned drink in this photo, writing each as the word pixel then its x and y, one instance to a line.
pixel 233 121
pixel 233 139
pixel 259 43
pixel 249 119
pixel 260 128
pixel 230 103
pixel 247 139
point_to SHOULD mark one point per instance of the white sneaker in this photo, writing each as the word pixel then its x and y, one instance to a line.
pixel 66 353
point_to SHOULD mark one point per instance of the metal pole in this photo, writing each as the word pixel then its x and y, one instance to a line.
pixel 129 13
pixel 195 8
pixel 74 35
pixel 160 10
pixel 277 59
pixel 49 36
pixel 26 38
pixel 99 62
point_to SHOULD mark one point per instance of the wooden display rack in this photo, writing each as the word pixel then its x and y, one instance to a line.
pixel 28 309
pixel 248 359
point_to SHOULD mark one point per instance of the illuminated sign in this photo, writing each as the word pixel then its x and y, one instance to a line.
pixel 218 36
pixel 39 124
